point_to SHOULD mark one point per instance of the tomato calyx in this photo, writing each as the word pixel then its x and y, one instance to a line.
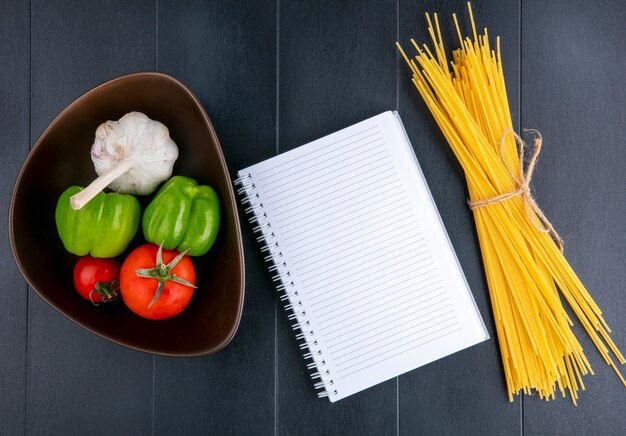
pixel 106 290
pixel 162 273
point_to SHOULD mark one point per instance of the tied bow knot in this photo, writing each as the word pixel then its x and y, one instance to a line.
pixel 522 181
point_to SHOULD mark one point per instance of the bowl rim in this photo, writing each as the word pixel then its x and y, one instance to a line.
pixel 232 197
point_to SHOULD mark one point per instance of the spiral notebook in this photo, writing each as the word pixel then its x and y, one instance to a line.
pixel 361 256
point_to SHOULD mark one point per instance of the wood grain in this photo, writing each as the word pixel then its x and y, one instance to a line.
pixel 77 382
pixel 449 396
pixel 227 56
pixel 573 92
pixel 274 75
pixel 337 67
pixel 14 143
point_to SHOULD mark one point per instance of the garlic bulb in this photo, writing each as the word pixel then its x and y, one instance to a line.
pixel 131 156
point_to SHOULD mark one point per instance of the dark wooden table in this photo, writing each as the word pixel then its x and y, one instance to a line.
pixel 273 75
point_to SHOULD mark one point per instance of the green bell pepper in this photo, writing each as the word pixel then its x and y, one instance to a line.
pixel 103 227
pixel 183 216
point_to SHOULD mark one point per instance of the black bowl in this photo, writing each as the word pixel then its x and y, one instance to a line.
pixel 61 158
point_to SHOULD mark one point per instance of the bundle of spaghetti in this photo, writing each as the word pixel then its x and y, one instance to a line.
pixel 525 268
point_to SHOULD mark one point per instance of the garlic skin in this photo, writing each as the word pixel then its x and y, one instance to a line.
pixel 139 143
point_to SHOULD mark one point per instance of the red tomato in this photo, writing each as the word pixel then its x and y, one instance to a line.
pixel 141 276
pixel 97 280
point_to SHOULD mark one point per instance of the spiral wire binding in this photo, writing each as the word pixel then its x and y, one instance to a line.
pixel 285 286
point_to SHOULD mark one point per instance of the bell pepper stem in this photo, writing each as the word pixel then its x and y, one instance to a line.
pixel 82 198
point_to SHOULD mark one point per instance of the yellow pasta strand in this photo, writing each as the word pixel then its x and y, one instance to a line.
pixel 526 273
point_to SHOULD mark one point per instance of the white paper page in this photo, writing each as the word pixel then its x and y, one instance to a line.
pixel 363 246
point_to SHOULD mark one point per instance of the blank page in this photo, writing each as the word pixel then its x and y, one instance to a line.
pixel 362 254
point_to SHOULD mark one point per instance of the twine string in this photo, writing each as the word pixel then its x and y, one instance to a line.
pixel 522 182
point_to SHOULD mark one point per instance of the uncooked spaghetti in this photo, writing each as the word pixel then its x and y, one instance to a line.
pixel 525 268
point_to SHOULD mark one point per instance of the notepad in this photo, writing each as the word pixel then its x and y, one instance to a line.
pixel 361 257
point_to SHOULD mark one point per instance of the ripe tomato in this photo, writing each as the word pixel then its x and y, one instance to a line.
pixel 157 283
pixel 97 280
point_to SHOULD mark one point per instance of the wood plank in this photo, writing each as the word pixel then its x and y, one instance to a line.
pixel 573 92
pixel 77 382
pixel 464 393
pixel 14 137
pixel 337 67
pixel 226 54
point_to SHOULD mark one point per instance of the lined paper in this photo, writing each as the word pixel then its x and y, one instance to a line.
pixel 363 249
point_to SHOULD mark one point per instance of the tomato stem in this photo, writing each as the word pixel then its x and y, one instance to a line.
pixel 105 290
pixel 163 273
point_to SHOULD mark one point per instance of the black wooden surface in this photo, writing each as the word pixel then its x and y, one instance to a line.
pixel 273 75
